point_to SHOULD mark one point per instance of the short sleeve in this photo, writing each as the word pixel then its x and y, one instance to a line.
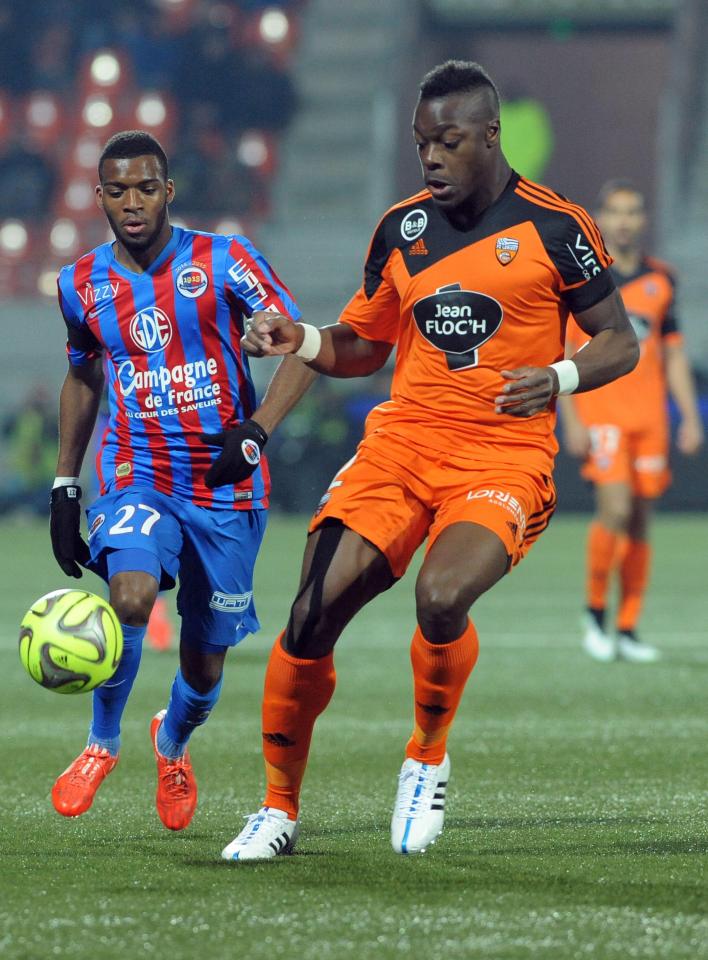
pixel 251 281
pixel 578 252
pixel 81 344
pixel 375 309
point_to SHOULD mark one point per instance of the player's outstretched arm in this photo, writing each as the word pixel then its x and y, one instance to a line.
pixel 611 352
pixel 336 350
pixel 78 407
pixel 689 438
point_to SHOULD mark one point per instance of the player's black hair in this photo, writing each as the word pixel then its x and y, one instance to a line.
pixel 617 186
pixel 457 76
pixel 133 143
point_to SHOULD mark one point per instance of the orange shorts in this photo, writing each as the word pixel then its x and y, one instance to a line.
pixel 395 495
pixel 639 458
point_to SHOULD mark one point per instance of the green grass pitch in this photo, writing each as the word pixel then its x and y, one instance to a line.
pixel 577 823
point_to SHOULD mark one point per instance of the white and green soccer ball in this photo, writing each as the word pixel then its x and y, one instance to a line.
pixel 70 641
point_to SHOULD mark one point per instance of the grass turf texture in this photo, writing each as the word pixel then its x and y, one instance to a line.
pixel 576 814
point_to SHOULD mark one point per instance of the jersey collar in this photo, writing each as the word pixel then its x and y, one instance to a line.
pixel 165 254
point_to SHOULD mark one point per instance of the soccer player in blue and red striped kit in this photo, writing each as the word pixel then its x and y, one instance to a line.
pixel 183 483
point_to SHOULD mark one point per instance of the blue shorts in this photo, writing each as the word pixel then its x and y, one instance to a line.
pixel 213 552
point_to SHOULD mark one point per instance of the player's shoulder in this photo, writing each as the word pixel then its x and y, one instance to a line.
pixel 403 222
pixel 84 264
pixel 549 206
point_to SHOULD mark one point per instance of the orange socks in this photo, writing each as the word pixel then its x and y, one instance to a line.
pixel 440 672
pixel 605 549
pixel 634 576
pixel 296 692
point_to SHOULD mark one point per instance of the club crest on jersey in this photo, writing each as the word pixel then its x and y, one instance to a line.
pixel 151 330
pixel 413 224
pixel 458 322
pixel 192 281
pixel 506 249
pixel 251 452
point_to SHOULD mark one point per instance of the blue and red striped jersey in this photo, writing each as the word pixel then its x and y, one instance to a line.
pixel 171 341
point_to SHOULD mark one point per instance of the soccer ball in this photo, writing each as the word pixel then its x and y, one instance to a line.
pixel 70 641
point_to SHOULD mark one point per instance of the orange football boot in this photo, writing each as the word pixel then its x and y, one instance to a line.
pixel 74 790
pixel 176 797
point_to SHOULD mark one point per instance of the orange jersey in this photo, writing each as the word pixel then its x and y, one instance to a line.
pixel 638 400
pixel 463 305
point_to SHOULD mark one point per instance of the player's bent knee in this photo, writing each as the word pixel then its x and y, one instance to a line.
pixel 442 603
pixel 132 603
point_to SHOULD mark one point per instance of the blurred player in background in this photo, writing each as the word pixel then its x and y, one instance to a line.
pixel 472 279
pixel 622 430
pixel 183 486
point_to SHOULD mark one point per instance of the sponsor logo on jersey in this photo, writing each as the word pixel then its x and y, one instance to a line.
pixel 584 256
pixel 230 602
pixel 251 452
pixel 506 249
pixel 504 499
pixel 124 469
pixel 91 295
pixel 151 330
pixel 98 522
pixel 413 224
pixel 254 293
pixel 192 281
pixel 458 322
pixel 418 249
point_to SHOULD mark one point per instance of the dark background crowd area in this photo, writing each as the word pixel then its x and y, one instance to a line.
pixel 219 77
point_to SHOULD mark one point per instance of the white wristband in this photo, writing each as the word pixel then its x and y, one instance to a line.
pixel 568 376
pixel 310 346
pixel 65 482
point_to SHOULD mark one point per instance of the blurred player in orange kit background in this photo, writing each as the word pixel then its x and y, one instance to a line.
pixel 622 430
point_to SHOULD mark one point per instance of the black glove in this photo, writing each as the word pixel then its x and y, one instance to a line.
pixel 65 530
pixel 240 455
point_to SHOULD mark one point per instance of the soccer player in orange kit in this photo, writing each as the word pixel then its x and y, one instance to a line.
pixel 472 279
pixel 622 430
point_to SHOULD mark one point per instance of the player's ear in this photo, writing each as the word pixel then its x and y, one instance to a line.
pixel 99 196
pixel 170 190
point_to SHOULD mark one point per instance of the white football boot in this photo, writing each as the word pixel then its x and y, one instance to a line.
pixel 419 812
pixel 634 650
pixel 268 833
pixel 600 645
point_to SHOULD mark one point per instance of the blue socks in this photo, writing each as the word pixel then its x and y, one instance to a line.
pixel 110 698
pixel 186 710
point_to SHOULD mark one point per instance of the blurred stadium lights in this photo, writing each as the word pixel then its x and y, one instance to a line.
pixel 87 151
pixel 252 149
pixel 97 112
pixel 105 69
pixel 47 281
pixel 151 110
pixel 13 238
pixel 274 25
pixel 79 195
pixel 64 237
pixel 42 109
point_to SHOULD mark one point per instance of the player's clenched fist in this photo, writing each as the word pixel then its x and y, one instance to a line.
pixel 271 335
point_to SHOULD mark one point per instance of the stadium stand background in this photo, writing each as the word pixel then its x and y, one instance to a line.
pixel 291 122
